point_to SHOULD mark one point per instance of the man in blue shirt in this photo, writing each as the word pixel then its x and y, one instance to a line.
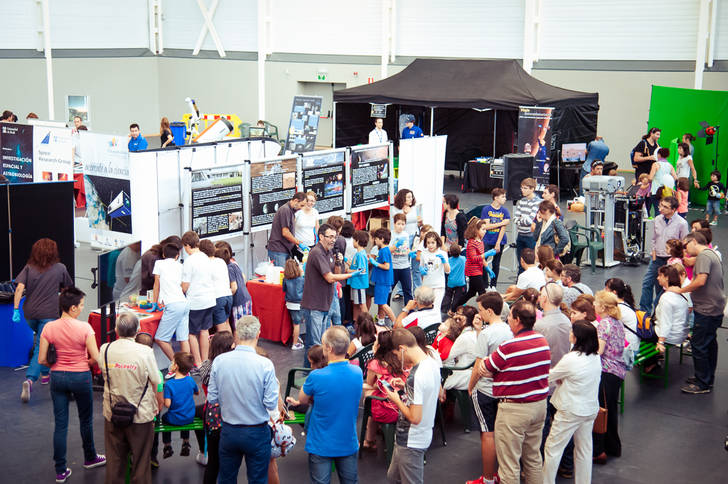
pixel 596 150
pixel 410 130
pixel 334 391
pixel 136 140
pixel 245 385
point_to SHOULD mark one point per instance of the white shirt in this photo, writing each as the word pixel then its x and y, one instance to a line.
pixel 123 269
pixel 578 392
pixel 170 280
pixel 683 167
pixel 663 177
pixel 435 276
pixel 411 224
pixel 488 341
pixel 423 318
pixel 422 388
pixel 135 282
pixel 629 319
pixel 220 277
pixel 671 317
pixel 197 271
pixel 531 277
pixel 461 354
pixel 305 229
pixel 350 250
pixel 377 136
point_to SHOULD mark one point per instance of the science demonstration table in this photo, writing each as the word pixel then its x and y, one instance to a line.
pixel 269 305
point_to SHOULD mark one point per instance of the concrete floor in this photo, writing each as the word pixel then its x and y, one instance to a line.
pixel 667 436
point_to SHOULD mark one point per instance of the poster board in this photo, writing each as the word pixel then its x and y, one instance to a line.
pixel 534 138
pixel 108 187
pixel 422 170
pixel 217 200
pixel 371 177
pixel 324 173
pixel 303 124
pixel 272 183
pixel 16 152
pixel 52 154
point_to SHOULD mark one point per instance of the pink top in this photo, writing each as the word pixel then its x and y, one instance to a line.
pixel 69 337
pixel 682 197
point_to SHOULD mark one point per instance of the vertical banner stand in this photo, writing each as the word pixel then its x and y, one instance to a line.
pixel 391 177
pixel 347 175
pixel 247 236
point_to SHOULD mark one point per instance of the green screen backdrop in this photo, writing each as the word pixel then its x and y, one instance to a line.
pixel 678 111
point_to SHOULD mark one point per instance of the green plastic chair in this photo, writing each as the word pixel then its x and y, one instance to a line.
pixel 431 333
pixel 474 212
pixel 586 238
pixel 462 399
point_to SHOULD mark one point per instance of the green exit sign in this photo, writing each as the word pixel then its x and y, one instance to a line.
pixel 321 77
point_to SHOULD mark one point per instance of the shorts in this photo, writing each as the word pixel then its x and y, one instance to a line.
pixel 358 296
pixel 485 409
pixel 381 294
pixel 174 322
pixel 200 320
pixel 296 316
pixel 221 312
pixel 713 207
pixel 370 290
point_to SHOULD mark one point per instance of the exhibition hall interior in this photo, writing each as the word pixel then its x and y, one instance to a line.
pixel 379 241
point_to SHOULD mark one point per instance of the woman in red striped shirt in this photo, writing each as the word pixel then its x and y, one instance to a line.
pixel 474 260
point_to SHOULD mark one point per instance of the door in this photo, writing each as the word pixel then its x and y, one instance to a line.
pixel 326 122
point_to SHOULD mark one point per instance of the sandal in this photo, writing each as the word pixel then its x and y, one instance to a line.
pixel 370 445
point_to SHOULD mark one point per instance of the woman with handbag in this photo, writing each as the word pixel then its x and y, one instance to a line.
pixel 576 401
pixel 549 230
pixel 611 348
pixel 71 345
pixel 41 279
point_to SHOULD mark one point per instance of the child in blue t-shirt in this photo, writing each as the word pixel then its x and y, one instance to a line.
pixel 455 280
pixel 179 398
pixel 293 290
pixel 382 276
pixel 496 218
pixel 359 282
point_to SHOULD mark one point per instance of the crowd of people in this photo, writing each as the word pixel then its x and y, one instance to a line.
pixel 539 362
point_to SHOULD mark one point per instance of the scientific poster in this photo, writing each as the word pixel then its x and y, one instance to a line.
pixel 534 138
pixel 272 183
pixel 217 201
pixel 16 152
pixel 369 177
pixel 324 174
pixel 52 154
pixel 106 178
pixel 303 126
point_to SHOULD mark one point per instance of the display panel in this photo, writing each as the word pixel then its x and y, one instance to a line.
pixel 272 183
pixel 217 201
pixel 323 173
pixel 369 177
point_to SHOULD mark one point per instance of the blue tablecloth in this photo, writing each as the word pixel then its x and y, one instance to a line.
pixel 16 339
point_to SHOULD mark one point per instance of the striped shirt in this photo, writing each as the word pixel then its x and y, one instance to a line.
pixel 474 257
pixel 525 214
pixel 520 368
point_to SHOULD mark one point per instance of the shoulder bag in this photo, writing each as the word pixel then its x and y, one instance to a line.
pixel 600 423
pixel 122 413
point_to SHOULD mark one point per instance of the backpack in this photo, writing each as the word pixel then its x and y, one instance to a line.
pixel 645 326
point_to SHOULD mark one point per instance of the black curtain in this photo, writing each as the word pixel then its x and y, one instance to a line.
pixel 573 124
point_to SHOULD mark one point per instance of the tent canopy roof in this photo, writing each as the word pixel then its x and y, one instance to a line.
pixel 482 84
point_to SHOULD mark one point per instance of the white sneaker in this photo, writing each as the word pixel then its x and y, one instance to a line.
pixel 714 222
pixel 169 375
pixel 25 393
pixel 201 459
pixel 297 346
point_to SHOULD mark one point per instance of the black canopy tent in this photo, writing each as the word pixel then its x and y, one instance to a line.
pixel 474 102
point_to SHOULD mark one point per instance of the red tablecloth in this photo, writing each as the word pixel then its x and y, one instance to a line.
pixel 147 324
pixel 269 305
pixel 79 190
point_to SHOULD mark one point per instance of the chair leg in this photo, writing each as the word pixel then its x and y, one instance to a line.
pixel 364 420
pixel 593 259
pixel 441 423
pixel 667 366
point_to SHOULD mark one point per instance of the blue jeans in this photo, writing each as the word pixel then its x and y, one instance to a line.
pixel 279 258
pixel 404 277
pixel 495 262
pixel 35 369
pixel 650 285
pixel 316 324
pixel 319 468
pixel 237 442
pixel 705 348
pixel 334 315
pixel 78 384
pixel 523 242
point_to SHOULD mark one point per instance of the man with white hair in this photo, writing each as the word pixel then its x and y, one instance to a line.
pixel 334 391
pixel 132 376
pixel 420 311
pixel 245 385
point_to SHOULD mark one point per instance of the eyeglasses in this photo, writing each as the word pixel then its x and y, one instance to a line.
pixel 330 236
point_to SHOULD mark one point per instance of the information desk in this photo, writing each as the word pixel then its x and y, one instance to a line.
pixel 148 322
pixel 476 178
pixel 269 305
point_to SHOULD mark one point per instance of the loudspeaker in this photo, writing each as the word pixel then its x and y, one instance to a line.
pixel 516 167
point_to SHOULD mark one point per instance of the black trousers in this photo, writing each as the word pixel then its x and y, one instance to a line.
pixel 452 295
pixel 477 286
pixel 609 395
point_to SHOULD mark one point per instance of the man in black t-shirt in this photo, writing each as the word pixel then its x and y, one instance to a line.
pixel 643 155
pixel 282 240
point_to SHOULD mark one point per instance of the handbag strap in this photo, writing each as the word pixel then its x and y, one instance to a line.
pixel 108 378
